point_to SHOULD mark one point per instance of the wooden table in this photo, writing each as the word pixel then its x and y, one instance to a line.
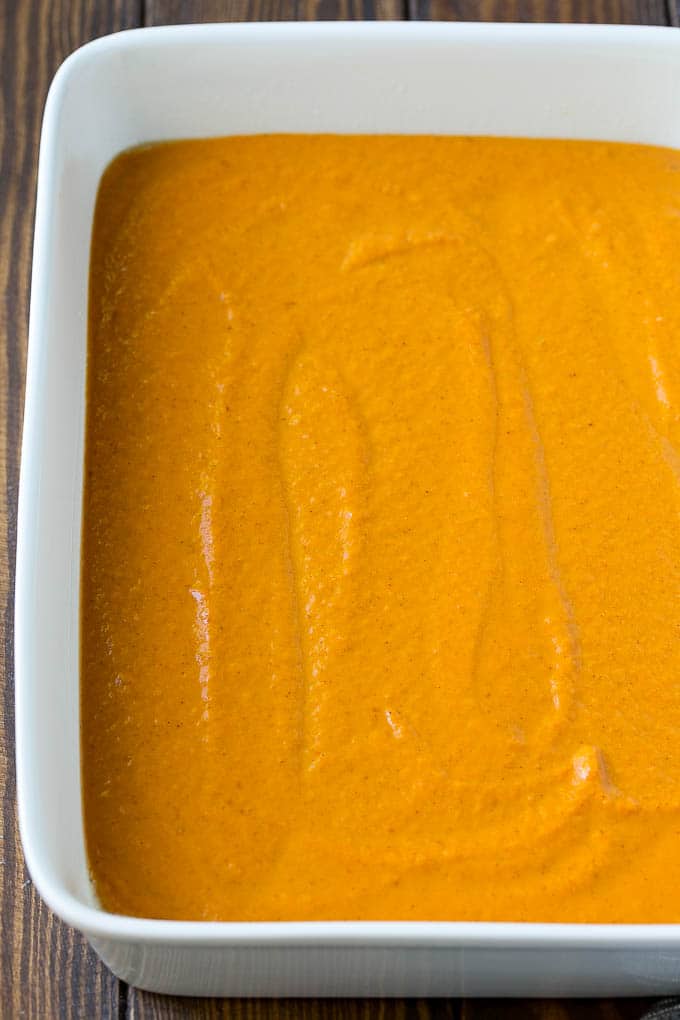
pixel 46 969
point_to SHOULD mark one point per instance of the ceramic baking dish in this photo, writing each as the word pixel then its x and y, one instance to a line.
pixel 140 86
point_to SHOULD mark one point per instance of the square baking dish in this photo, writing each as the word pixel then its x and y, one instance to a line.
pixel 612 83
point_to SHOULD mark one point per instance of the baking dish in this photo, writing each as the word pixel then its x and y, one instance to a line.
pixel 610 83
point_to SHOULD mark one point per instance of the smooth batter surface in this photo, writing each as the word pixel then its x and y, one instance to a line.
pixel 382 540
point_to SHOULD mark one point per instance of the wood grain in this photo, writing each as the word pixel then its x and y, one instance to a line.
pixel 554 1009
pixel 624 12
pixel 158 1007
pixel 47 970
pixel 177 12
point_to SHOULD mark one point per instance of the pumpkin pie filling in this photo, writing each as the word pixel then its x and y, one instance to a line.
pixel 380 576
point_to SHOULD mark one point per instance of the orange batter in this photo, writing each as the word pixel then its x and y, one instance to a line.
pixel 381 569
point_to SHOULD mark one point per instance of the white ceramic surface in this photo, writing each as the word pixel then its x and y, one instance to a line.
pixel 563 81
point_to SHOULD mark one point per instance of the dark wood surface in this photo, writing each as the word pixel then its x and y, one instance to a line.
pixel 46 969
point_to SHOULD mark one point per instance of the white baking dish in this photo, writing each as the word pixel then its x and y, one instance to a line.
pixel 563 81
